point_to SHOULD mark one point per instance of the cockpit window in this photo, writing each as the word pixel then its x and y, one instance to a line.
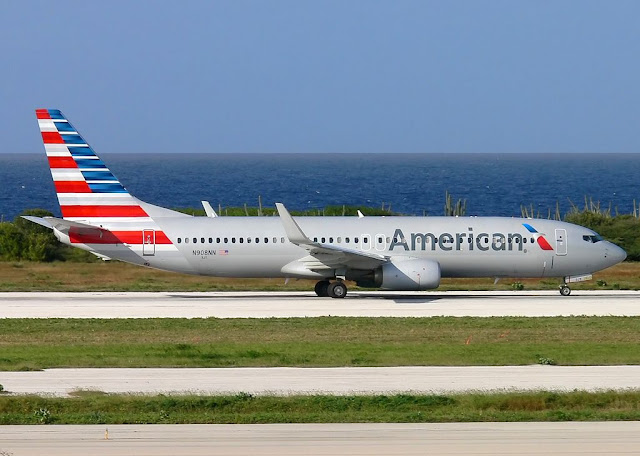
pixel 593 238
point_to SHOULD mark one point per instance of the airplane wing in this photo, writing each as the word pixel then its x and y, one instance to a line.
pixel 325 256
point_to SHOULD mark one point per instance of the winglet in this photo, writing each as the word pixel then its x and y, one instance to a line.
pixel 294 232
pixel 360 214
pixel 208 209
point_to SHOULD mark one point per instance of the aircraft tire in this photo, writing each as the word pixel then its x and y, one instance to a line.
pixel 321 288
pixel 565 290
pixel 337 290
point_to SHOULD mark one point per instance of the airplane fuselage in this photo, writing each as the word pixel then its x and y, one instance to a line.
pixel 463 246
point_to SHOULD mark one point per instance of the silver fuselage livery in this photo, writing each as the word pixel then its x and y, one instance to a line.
pixel 259 247
pixel 394 253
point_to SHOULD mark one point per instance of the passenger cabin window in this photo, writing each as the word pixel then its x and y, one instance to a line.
pixel 202 240
pixel 347 240
pixel 257 240
pixel 186 240
pixel 179 240
pixel 217 240
pixel 282 240
pixel 248 240
pixel 226 240
pixel 241 240
pixel 275 240
pixel 330 240
pixel 266 240
pixel 233 240
pixel 195 240
pixel 339 240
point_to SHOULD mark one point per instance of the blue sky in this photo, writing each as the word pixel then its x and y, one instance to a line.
pixel 331 76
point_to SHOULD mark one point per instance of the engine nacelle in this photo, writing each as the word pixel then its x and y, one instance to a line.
pixel 403 275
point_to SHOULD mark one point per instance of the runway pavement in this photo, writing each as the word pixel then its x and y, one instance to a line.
pixel 584 438
pixel 306 304
pixel 341 380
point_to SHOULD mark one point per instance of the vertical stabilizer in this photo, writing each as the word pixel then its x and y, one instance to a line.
pixel 86 189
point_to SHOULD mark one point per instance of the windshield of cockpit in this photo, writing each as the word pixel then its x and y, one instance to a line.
pixel 593 238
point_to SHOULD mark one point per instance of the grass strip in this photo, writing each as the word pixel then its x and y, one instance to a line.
pixel 117 276
pixel 99 408
pixel 29 344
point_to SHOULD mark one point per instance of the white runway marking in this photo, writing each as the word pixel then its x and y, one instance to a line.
pixel 306 304
pixel 583 438
pixel 341 380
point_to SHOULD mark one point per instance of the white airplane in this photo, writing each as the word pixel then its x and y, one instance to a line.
pixel 392 253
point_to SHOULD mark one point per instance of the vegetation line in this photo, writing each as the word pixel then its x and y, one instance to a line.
pixel 99 408
pixel 30 344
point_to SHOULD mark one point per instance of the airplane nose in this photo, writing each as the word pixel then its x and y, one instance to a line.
pixel 615 254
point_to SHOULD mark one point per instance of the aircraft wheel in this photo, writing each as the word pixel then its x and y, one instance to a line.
pixel 321 288
pixel 337 290
pixel 565 290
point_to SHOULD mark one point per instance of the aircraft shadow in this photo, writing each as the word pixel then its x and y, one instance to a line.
pixel 398 298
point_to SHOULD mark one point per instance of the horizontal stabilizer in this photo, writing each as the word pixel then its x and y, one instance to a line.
pixel 80 232
pixel 61 225
pixel 38 220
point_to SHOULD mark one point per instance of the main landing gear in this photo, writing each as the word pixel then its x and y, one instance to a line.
pixel 565 290
pixel 332 289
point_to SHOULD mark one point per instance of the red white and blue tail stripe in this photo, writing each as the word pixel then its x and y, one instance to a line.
pixel 86 188
pixel 90 194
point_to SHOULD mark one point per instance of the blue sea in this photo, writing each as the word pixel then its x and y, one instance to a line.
pixel 413 184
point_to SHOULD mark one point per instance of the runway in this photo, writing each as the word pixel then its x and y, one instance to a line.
pixel 340 380
pixel 306 304
pixel 584 438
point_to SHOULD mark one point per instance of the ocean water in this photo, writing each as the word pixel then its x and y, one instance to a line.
pixel 492 184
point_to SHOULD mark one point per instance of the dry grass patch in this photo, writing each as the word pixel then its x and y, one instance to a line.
pixel 117 276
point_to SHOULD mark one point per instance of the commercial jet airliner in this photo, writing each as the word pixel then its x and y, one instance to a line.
pixel 391 253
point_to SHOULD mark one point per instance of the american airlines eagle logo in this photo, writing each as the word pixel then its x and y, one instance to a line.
pixel 540 239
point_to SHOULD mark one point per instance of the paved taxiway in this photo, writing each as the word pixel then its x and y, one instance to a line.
pixel 339 380
pixel 599 438
pixel 305 304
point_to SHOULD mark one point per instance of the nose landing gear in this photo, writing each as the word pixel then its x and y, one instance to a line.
pixel 325 288
pixel 565 290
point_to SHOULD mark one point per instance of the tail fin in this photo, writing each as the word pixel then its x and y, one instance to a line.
pixel 86 189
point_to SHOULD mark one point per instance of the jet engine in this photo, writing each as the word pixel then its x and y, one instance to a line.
pixel 404 274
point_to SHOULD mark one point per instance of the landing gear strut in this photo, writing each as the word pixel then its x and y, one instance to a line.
pixel 565 290
pixel 332 289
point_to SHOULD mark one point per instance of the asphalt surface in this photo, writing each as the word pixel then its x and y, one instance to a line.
pixel 338 380
pixel 577 438
pixel 305 304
